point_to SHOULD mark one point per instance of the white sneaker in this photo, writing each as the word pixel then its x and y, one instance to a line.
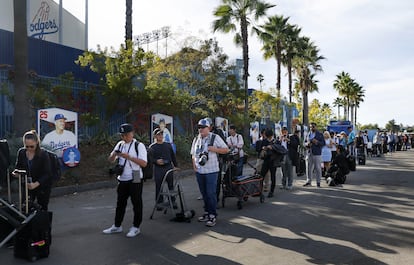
pixel 113 229
pixel 133 231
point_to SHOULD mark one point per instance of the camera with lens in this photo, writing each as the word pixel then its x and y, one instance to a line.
pixel 116 170
pixel 203 158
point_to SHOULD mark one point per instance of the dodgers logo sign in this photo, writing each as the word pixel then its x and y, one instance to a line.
pixel 43 23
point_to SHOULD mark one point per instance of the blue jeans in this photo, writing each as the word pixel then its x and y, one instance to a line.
pixel 240 166
pixel 207 184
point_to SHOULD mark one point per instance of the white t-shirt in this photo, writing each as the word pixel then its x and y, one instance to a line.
pixel 129 148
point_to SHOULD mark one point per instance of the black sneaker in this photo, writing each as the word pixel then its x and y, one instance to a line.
pixel 307 184
pixel 319 185
pixel 211 221
pixel 270 195
pixel 204 218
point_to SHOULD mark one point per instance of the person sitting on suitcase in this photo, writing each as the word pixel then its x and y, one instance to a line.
pixel 163 157
pixel 36 163
pixel 339 168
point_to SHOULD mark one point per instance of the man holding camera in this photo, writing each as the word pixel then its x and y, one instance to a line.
pixel 204 152
pixel 235 142
pixel 129 174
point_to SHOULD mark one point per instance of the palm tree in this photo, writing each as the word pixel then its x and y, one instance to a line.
pixel 290 51
pixel 22 113
pixel 128 23
pixel 236 16
pixel 338 102
pixel 260 79
pixel 343 84
pixel 273 34
pixel 306 65
pixel 356 96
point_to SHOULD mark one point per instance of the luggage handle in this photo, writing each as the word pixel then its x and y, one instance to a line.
pixel 23 174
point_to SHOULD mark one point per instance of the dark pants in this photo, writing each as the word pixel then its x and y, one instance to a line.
pixel 125 190
pixel 41 196
pixel 268 165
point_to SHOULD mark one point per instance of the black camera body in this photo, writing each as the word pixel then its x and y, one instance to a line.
pixel 203 158
pixel 116 170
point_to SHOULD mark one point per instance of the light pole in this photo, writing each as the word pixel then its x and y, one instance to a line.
pixel 154 36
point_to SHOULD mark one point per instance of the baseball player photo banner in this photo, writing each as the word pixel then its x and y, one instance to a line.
pixel 58 131
pixel 165 123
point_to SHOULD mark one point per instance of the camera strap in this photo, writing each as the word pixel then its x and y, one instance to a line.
pixel 120 147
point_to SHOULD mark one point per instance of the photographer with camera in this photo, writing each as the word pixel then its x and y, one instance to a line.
pixel 235 142
pixel 204 152
pixel 129 175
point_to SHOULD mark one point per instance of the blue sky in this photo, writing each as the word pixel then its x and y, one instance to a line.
pixel 372 40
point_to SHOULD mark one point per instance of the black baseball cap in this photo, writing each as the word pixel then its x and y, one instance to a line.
pixel 126 128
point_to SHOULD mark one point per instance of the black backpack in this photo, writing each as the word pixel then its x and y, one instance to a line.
pixel 351 162
pixel 55 166
pixel 147 172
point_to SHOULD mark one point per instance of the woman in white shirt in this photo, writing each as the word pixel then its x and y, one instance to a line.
pixel 326 152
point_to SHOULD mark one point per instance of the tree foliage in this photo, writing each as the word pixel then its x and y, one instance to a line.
pixel 319 113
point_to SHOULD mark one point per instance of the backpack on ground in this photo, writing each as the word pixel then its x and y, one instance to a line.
pixel 351 162
pixel 54 165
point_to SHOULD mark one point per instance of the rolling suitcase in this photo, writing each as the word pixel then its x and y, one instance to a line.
pixel 33 241
pixel 26 224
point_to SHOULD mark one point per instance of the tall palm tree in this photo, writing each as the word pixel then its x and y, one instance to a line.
pixel 22 112
pixel 343 84
pixel 128 23
pixel 260 79
pixel 338 102
pixel 306 65
pixel 290 51
pixel 356 96
pixel 273 34
pixel 237 16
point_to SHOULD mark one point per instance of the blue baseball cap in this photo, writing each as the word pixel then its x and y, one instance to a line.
pixel 59 117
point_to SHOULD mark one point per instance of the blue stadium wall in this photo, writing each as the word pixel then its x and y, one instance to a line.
pixel 47 58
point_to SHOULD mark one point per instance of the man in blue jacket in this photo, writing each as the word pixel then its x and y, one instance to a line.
pixel 314 143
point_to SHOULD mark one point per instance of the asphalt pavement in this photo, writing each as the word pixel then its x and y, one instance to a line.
pixel 368 220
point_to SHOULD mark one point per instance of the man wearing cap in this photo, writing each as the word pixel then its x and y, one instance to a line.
pixel 131 155
pixel 164 159
pixel 60 139
pixel 204 152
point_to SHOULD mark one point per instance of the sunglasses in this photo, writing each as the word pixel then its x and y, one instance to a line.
pixel 30 146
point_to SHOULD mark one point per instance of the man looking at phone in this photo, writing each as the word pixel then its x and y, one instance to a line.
pixel 129 175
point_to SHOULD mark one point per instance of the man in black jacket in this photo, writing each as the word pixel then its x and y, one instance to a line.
pixel 290 143
pixel 339 168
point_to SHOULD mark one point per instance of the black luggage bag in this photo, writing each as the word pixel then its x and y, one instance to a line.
pixel 301 166
pixel 34 240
